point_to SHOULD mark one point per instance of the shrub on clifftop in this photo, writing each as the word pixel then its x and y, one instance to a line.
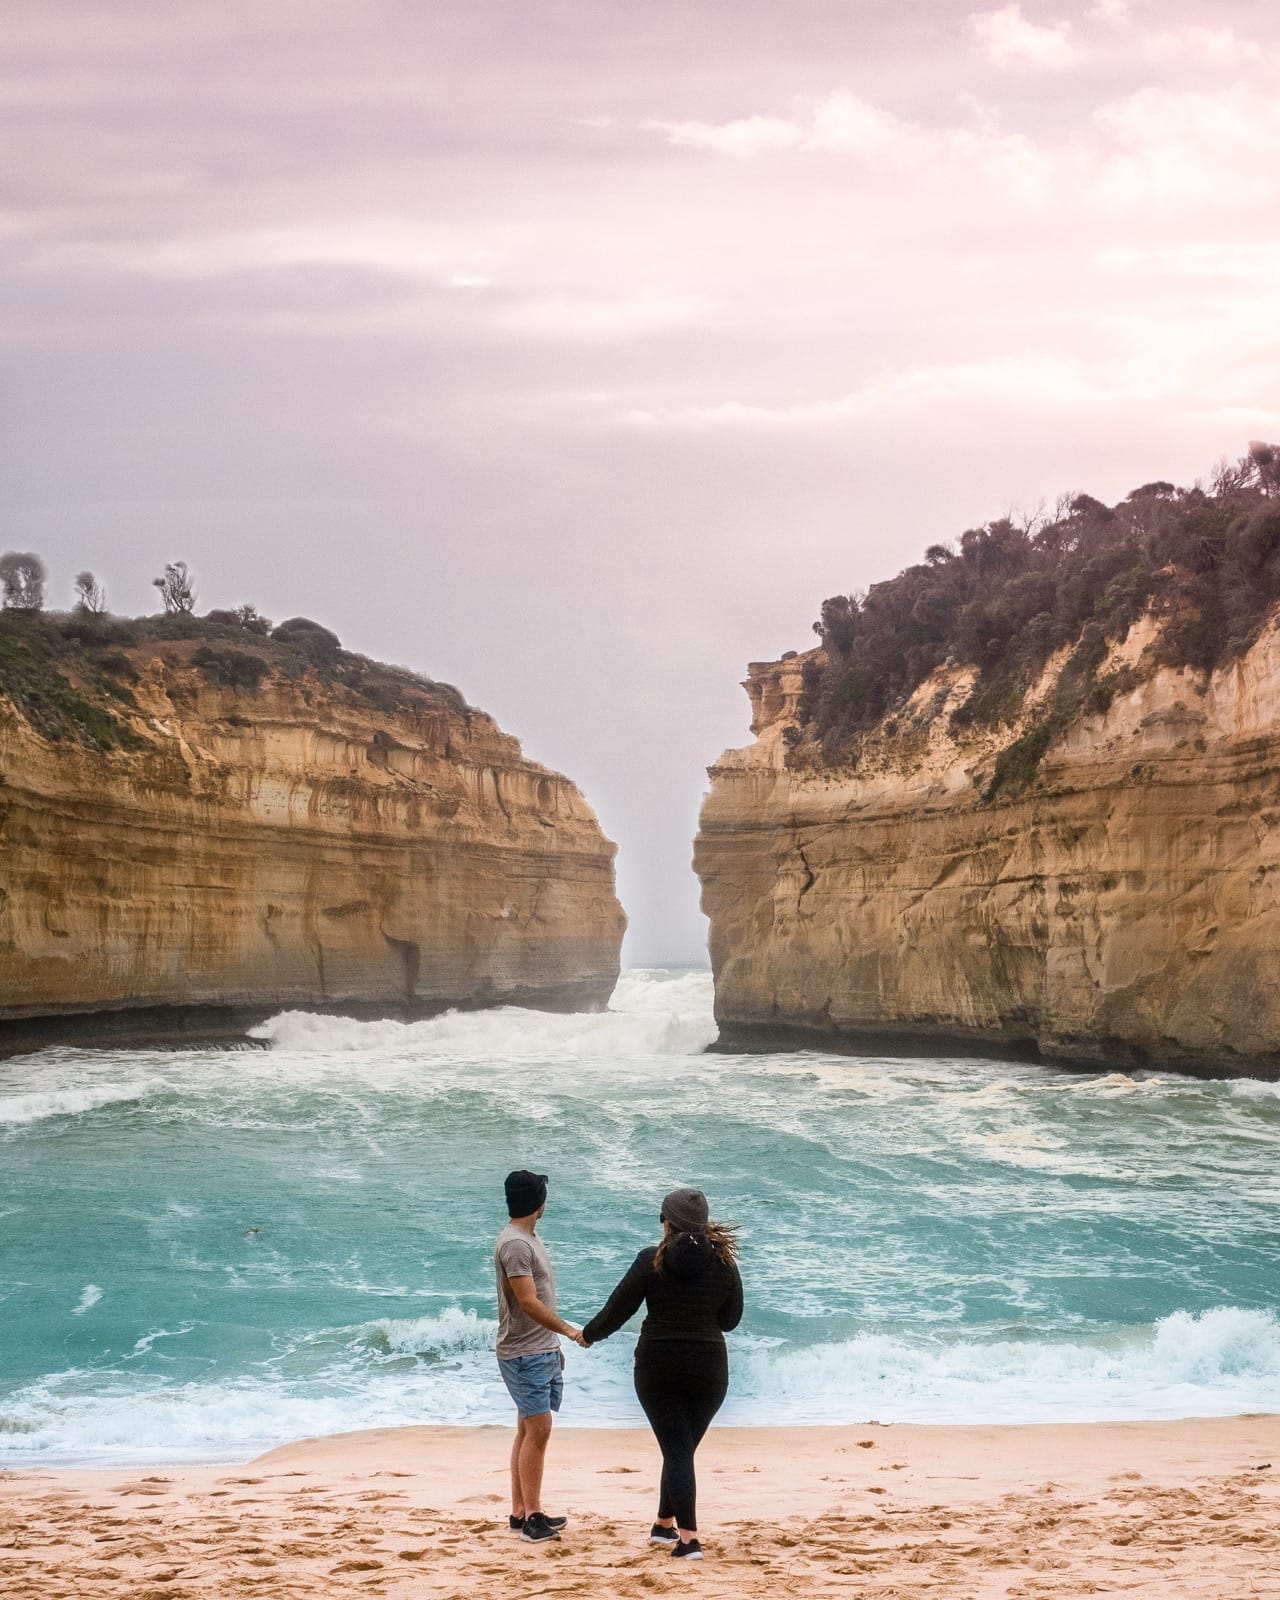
pixel 1009 596
pixel 315 642
pixel 69 673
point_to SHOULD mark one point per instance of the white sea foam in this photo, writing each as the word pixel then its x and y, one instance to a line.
pixel 441 1369
pixel 648 1015
pixel 142 1345
pixel 1033 1152
pixel 89 1297
pixel 71 1101
pixel 1221 1361
pixel 1254 1089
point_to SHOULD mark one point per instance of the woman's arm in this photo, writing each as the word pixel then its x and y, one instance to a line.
pixel 623 1303
pixel 730 1313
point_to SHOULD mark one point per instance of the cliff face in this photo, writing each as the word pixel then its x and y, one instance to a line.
pixel 1124 906
pixel 293 846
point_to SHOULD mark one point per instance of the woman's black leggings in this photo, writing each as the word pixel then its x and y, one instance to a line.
pixel 681 1386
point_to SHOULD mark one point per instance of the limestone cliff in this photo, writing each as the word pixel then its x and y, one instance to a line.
pixel 285 842
pixel 1122 904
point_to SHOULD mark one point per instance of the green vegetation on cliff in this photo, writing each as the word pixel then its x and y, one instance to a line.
pixel 71 674
pixel 1006 598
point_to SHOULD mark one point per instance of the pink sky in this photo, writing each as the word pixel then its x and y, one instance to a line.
pixel 574 352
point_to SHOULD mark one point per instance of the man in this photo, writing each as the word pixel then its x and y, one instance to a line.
pixel 529 1354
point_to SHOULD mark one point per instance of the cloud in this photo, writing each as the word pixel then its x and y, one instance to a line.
pixel 1145 153
pixel 1214 47
pixel 842 123
pixel 1251 262
pixel 1190 150
pixel 394 246
pixel 1041 379
pixel 745 136
pixel 1008 37
pixel 1036 381
pixel 584 317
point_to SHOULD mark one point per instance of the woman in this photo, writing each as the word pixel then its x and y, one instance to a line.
pixel 690 1285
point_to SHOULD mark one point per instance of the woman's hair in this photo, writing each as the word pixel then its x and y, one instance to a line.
pixel 721 1236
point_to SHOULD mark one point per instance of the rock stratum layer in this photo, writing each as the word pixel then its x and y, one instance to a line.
pixel 1123 907
pixel 294 847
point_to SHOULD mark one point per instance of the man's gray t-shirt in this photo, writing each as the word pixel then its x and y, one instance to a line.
pixel 518 1254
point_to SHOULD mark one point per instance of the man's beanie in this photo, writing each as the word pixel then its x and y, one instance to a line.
pixel 686 1210
pixel 525 1192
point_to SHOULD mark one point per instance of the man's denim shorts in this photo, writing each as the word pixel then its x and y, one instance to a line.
pixel 535 1383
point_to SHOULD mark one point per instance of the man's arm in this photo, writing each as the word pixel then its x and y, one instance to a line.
pixel 527 1299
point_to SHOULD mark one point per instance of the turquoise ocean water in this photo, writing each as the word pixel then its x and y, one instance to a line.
pixel 928 1240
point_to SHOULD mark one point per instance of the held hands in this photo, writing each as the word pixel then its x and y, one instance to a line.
pixel 570 1332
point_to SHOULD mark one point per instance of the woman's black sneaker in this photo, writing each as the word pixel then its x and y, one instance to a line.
pixel 691 1550
pixel 538 1528
pixel 516 1524
pixel 660 1535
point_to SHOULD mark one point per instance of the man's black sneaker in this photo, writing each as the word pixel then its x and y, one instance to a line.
pixel 690 1550
pixel 660 1535
pixel 516 1524
pixel 538 1528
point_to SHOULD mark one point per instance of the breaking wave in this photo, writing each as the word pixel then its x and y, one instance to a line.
pixel 35 1105
pixel 440 1369
pixel 648 1015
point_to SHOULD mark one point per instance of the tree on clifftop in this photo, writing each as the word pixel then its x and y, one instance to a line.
pixel 1266 463
pixel 177 589
pixel 90 595
pixel 22 575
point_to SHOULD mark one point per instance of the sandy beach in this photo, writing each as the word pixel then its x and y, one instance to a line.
pixel 1141 1509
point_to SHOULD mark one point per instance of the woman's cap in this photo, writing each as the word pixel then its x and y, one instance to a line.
pixel 686 1210
pixel 526 1191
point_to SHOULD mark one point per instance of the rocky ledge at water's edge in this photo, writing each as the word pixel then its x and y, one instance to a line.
pixel 185 855
pixel 1120 906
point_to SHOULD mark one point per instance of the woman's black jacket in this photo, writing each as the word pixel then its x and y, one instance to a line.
pixel 695 1298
